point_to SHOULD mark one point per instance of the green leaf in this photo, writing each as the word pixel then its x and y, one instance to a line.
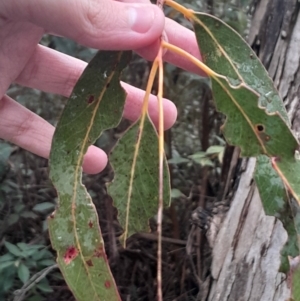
pixel 201 158
pixel 44 286
pixel 13 218
pixel 256 119
pixel 46 206
pixel 13 249
pixel 42 254
pixel 276 202
pixel 176 193
pixel 5 264
pixel 23 273
pixel 7 283
pixel 198 155
pixel 137 201
pixel 96 104
pixel 23 246
pixel 178 160
pixel 227 53
pixel 214 149
pixel 296 284
pixel 6 257
pixel 46 262
pixel 28 214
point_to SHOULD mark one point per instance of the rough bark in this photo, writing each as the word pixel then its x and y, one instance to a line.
pixel 246 249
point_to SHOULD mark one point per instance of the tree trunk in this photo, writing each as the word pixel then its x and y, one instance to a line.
pixel 246 249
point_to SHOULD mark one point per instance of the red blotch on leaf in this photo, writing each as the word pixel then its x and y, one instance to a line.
pixel 91 99
pixel 107 284
pixel 89 263
pixel 70 254
pixel 91 224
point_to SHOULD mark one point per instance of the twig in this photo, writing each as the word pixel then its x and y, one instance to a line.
pixel 20 293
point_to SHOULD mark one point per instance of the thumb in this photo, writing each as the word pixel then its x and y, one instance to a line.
pixel 102 24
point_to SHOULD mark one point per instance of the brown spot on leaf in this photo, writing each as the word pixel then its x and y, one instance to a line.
pixel 107 284
pixel 91 99
pixel 70 254
pixel 89 263
pixel 91 224
pixel 99 252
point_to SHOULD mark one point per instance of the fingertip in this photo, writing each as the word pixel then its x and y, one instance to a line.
pixel 95 160
pixel 170 112
pixel 171 116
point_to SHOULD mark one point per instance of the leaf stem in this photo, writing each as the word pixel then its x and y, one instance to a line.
pixel 161 171
pixel 191 58
pixel 188 13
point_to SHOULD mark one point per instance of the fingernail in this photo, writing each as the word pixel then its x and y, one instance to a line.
pixel 141 18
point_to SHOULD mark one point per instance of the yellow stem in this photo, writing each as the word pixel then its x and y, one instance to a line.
pixel 161 172
pixel 191 58
pixel 188 13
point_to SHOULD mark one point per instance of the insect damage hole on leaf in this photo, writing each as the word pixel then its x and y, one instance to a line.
pixel 70 255
pixel 260 128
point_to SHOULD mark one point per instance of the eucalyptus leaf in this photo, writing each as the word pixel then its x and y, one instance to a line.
pixel 96 104
pixel 135 185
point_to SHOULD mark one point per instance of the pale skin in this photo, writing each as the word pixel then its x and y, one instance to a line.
pixel 102 24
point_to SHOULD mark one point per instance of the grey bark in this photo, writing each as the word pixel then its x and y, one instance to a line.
pixel 246 249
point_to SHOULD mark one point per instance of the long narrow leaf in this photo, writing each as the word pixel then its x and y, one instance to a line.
pixel 96 104
pixel 261 119
pixel 135 185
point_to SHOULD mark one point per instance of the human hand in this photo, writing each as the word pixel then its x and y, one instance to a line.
pixel 101 24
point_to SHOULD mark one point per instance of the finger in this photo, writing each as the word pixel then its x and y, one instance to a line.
pixel 101 24
pixel 134 1
pixel 54 72
pixel 29 131
pixel 18 42
pixel 134 103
